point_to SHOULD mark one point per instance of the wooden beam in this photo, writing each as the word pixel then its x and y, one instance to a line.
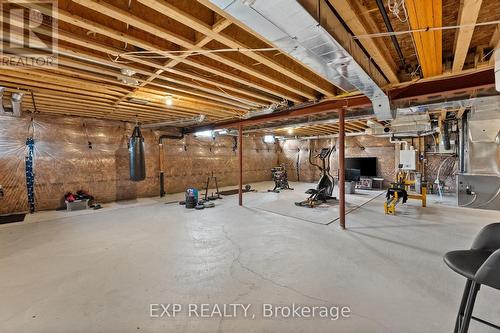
pixel 38 83
pixel 468 13
pixel 350 13
pixel 220 96
pixel 495 43
pixel 184 95
pixel 429 45
pixel 169 10
pixel 219 26
pixel 25 80
pixel 126 38
pixel 125 16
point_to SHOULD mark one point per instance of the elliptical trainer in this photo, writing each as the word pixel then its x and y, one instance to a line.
pixel 324 190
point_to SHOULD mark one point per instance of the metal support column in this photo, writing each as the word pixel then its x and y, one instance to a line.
pixel 341 149
pixel 240 157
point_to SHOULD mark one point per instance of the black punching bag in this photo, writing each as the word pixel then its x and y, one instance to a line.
pixel 137 158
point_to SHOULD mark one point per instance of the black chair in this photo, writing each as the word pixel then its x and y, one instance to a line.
pixel 480 266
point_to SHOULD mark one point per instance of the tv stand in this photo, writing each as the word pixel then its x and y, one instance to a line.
pixel 368 182
pixel 365 183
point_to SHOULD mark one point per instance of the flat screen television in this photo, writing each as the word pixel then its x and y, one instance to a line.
pixel 366 165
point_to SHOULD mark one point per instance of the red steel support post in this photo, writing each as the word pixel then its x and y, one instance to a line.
pixel 341 149
pixel 240 157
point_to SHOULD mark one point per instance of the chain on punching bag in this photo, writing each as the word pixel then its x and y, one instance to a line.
pixel 137 158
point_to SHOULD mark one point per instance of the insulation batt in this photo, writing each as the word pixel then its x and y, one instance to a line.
pixel 65 163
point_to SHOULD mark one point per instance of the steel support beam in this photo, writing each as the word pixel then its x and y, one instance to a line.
pixel 444 89
pixel 240 162
pixel 341 149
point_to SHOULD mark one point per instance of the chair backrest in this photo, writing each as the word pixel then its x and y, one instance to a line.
pixel 489 273
pixel 488 238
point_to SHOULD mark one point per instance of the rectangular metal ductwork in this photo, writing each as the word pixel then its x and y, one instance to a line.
pixel 290 27
pixel 15 99
pixel 184 122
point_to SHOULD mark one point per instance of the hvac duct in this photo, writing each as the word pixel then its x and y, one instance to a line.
pixel 483 127
pixel 497 69
pixel 287 25
pixel 444 132
pixel 178 122
pixel 15 101
pixel 405 124
pixel 479 183
pixel 137 156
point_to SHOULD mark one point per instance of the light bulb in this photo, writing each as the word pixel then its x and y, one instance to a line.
pixel 169 100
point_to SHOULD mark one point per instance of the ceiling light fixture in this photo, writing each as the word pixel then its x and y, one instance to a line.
pixel 127 72
pixel 204 134
pixel 129 80
pixel 248 2
pixel 169 100
pixel 269 139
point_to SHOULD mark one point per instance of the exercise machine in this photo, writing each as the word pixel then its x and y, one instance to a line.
pixel 324 190
pixel 280 178
pixel 399 191
pixel 212 197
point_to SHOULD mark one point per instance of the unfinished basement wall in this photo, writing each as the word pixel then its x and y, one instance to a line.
pixel 434 160
pixel 189 161
pixel 356 146
pixel 387 154
pixel 448 174
pixel 294 155
pixel 64 162
pixel 371 146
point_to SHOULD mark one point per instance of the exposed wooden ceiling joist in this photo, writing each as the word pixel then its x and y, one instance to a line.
pixel 94 34
pixel 349 11
pixel 185 18
pixel 140 23
pixel 468 13
pixel 423 14
pixel 143 44
pixel 218 27
pixel 77 54
pixel 495 43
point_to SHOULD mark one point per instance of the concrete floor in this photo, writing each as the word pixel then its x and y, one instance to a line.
pixel 100 271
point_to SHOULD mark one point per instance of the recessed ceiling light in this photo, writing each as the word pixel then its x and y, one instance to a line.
pixel 169 100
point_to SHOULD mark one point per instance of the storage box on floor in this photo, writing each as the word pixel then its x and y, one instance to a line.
pixel 77 205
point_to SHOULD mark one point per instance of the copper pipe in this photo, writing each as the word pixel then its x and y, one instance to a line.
pixel 240 157
pixel 341 149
